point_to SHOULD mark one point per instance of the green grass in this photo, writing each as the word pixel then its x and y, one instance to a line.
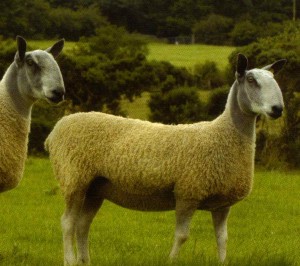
pixel 263 229
pixel 188 55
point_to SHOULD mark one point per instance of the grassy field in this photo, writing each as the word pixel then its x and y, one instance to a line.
pixel 188 55
pixel 263 229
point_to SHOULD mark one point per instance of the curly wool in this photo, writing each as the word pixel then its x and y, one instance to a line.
pixel 198 161
pixel 13 145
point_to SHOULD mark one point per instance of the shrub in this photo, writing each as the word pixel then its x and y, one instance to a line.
pixel 44 117
pixel 216 102
pixel 208 76
pixel 244 33
pixel 176 106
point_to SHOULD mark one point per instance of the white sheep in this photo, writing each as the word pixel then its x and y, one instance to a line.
pixel 153 167
pixel 33 75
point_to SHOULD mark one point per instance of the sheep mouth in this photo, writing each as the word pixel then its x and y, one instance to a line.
pixel 55 99
pixel 274 115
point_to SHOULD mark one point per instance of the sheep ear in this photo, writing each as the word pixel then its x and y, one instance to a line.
pixel 56 48
pixel 242 64
pixel 275 67
pixel 21 43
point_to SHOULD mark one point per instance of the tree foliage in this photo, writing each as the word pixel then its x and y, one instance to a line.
pixel 178 105
pixel 212 20
pixel 214 29
pixel 49 19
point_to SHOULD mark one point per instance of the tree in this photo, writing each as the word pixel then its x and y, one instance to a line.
pixel 214 29
pixel 244 33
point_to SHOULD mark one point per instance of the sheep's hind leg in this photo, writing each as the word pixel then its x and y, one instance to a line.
pixel 184 212
pixel 220 225
pixel 68 223
pixel 89 210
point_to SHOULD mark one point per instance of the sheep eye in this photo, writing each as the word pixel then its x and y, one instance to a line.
pixel 30 62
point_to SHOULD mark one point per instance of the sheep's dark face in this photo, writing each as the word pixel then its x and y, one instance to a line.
pixel 259 93
pixel 39 76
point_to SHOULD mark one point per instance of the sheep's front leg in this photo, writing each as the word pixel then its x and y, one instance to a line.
pixel 89 210
pixel 184 212
pixel 220 225
pixel 68 223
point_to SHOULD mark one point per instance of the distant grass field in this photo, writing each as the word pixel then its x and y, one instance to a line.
pixel 184 55
pixel 263 229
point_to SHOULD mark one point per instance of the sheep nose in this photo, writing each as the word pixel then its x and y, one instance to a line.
pixel 276 111
pixel 57 95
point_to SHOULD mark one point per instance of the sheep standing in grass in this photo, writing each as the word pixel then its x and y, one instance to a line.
pixel 33 75
pixel 153 167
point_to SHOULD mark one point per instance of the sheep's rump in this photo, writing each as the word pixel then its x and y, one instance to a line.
pixel 144 158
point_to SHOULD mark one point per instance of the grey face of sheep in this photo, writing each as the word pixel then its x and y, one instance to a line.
pixel 39 76
pixel 259 92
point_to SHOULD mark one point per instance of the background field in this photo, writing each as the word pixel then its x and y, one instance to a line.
pixel 189 55
pixel 263 229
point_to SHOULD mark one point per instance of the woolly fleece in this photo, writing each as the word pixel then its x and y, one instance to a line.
pixel 13 145
pixel 211 162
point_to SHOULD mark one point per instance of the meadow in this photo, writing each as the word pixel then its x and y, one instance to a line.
pixel 186 55
pixel 263 229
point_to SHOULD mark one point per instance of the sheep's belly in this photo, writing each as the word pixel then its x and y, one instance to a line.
pixel 217 201
pixel 102 188
pixel 157 201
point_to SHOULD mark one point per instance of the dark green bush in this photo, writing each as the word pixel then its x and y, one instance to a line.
pixel 208 76
pixel 176 106
pixel 244 33
pixel 217 101
pixel 44 117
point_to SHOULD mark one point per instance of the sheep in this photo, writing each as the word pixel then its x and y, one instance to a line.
pixel 154 167
pixel 32 75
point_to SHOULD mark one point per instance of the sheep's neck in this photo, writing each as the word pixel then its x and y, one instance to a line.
pixel 21 103
pixel 14 139
pixel 243 122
